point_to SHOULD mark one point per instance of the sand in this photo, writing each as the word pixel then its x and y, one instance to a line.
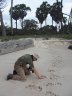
pixel 55 63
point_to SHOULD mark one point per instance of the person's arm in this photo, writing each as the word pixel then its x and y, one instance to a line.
pixel 37 74
pixel 34 70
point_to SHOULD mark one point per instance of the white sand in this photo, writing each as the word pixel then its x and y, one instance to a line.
pixel 55 62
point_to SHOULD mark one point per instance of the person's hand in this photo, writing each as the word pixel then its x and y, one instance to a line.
pixel 41 77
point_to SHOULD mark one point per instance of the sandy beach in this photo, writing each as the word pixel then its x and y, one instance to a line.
pixel 55 63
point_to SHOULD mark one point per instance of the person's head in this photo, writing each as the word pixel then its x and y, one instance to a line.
pixel 35 57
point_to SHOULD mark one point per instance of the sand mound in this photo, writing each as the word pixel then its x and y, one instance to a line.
pixel 50 43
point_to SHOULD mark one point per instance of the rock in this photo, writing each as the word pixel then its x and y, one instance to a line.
pixel 15 45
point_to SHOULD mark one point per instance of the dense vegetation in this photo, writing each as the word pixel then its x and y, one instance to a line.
pixel 30 27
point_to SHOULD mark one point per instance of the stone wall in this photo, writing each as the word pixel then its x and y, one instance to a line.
pixel 15 45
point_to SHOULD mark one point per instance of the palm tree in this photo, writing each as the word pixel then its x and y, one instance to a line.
pixel 64 20
pixel 56 12
pixel 45 9
pixel 15 14
pixel 40 16
pixel 2 24
pixel 61 11
pixel 23 11
pixel 42 12
pixel 22 15
pixel 19 12
pixel 11 17
pixel 71 16
pixel 2 5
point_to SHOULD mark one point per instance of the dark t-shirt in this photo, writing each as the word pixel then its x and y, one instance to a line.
pixel 24 60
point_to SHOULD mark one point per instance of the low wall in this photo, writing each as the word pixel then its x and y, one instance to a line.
pixel 15 45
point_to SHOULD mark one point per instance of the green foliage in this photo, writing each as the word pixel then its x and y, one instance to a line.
pixel 67 36
pixel 56 12
pixel 19 12
pixel 42 12
pixel 15 13
pixel 22 10
pixel 40 15
pixel 30 24
pixel 49 30
pixel 66 29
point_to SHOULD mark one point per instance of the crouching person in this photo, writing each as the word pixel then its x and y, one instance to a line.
pixel 21 69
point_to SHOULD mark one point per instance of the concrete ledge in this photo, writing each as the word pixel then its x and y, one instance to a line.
pixel 15 45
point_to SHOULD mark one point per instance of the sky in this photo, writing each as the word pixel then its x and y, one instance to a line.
pixel 33 4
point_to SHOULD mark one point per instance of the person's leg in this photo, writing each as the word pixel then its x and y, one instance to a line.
pixel 9 76
pixel 27 72
pixel 17 77
pixel 20 74
pixel 14 72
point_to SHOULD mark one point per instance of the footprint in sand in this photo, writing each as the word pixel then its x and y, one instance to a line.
pixel 34 87
pixel 50 93
pixel 54 76
pixel 54 84
pixel 58 63
pixel 51 70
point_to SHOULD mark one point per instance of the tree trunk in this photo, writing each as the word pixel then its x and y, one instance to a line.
pixel 16 25
pixel 52 21
pixel 11 17
pixel 61 11
pixel 71 16
pixel 22 23
pixel 57 1
pixel 40 25
pixel 2 24
pixel 45 22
